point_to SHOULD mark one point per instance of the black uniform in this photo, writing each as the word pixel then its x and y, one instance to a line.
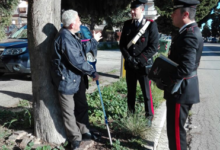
pixel 186 50
pixel 142 53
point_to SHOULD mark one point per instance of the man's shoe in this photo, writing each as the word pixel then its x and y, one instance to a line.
pixel 89 136
pixel 75 145
pixel 86 136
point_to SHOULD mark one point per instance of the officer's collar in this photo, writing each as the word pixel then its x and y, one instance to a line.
pixel 70 33
pixel 183 27
pixel 141 18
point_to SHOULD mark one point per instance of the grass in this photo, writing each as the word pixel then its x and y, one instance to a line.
pixel 4 133
pixel 125 126
pixel 16 120
pixel 24 103
pixel 129 130
pixel 133 124
pixel 190 113
pixel 115 101
pixel 113 71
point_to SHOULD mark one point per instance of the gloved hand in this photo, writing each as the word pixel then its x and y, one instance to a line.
pixel 132 62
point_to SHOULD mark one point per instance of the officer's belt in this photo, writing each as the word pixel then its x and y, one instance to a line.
pixel 178 84
pixel 192 74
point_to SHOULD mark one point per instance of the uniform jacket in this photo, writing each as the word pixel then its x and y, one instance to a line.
pixel 69 63
pixel 145 47
pixel 186 50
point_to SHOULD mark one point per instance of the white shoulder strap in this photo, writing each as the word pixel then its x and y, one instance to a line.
pixel 141 32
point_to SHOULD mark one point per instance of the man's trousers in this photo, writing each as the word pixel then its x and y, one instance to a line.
pixel 176 118
pixel 75 113
pixel 132 76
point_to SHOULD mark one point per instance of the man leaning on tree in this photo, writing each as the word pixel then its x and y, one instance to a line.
pixel 69 73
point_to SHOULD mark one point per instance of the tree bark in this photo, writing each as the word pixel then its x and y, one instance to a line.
pixel 43 25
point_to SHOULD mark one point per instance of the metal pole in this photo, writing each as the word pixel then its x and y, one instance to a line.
pixel 103 108
pixel 92 61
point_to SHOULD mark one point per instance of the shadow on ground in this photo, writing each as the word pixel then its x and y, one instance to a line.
pixel 18 95
pixel 13 76
pixel 108 75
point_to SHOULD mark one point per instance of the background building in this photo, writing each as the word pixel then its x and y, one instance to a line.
pixel 19 17
pixel 150 11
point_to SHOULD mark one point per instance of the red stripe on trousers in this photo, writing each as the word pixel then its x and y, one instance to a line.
pixel 151 99
pixel 177 127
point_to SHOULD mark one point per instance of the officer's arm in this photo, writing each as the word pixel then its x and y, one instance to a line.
pixel 76 58
pixel 152 46
pixel 187 56
pixel 122 44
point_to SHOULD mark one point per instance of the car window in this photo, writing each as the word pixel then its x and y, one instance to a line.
pixel 20 34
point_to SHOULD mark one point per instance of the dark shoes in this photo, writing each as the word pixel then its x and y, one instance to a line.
pixel 85 137
pixel 75 145
pixel 88 136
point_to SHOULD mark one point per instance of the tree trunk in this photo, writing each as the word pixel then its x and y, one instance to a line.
pixel 43 25
pixel 92 24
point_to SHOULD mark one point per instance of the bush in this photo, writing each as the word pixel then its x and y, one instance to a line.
pixel 115 101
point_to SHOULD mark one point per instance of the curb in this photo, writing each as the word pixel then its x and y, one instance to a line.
pixel 157 126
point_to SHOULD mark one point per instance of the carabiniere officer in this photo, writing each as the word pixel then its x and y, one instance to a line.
pixel 186 50
pixel 138 56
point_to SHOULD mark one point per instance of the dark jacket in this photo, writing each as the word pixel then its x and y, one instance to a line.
pixel 186 50
pixel 146 46
pixel 69 63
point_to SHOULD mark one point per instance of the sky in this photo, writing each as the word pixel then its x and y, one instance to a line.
pixel 210 20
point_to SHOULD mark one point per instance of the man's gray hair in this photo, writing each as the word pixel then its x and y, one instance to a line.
pixel 69 17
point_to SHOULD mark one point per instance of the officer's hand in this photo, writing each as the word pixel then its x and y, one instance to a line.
pixel 96 76
pixel 97 36
pixel 132 62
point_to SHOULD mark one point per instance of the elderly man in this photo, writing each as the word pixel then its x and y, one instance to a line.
pixel 186 50
pixel 69 72
pixel 138 56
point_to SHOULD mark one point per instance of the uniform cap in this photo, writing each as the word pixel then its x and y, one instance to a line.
pixel 185 3
pixel 137 3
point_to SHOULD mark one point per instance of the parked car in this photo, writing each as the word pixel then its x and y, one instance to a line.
pixel 14 53
pixel 168 38
pixel 209 39
pixel 214 40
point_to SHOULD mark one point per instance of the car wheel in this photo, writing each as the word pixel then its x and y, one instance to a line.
pixel 1 74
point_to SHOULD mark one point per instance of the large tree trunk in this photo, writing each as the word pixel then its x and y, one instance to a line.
pixel 43 25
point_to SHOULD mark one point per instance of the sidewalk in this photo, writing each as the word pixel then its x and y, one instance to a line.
pixel 157 135
pixel 108 66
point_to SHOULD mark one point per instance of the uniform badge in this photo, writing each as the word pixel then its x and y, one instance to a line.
pixel 142 39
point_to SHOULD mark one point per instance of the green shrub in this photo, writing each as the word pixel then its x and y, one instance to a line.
pixel 134 124
pixel 115 101
pixel 16 120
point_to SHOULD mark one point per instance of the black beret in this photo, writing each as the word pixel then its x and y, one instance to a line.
pixel 185 3
pixel 137 3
